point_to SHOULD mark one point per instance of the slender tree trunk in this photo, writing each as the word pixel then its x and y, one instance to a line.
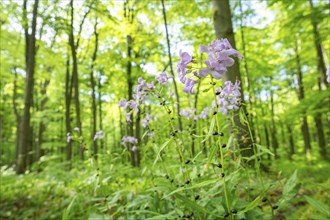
pixel 42 126
pixel 68 95
pixel 224 29
pixel 301 96
pixel 99 85
pixel 25 135
pixel 94 119
pixel 17 114
pixel 75 80
pixel 177 98
pixel 291 141
pixel 274 131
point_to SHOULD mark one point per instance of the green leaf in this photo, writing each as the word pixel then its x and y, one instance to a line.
pixel 160 150
pixel 320 206
pixel 210 130
pixel 212 153
pixel 290 184
pixel 198 185
pixel 251 205
pixel 264 149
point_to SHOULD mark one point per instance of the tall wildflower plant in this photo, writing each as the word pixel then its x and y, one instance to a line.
pixel 219 185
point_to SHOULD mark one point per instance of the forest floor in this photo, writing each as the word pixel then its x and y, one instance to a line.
pixel 55 193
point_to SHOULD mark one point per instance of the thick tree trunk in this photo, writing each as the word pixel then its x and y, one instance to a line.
pixel 25 135
pixel 224 29
pixel 301 96
pixel 92 81
pixel 177 98
pixel 322 83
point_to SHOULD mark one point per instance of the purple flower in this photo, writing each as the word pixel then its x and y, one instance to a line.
pixel 134 148
pixel 134 105
pixel 328 73
pixel 151 85
pixel 185 60
pixel 204 113
pixel 163 78
pixel 128 117
pixel 213 67
pixel 229 97
pixel 219 52
pixel 98 135
pixel 129 139
pixel 123 103
pixel 189 86
pixel 76 129
pixel 146 120
pixel 188 113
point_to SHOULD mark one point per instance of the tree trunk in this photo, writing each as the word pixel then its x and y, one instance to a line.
pixel 301 96
pixel 25 135
pixel 42 126
pixel 224 29
pixel 274 131
pixel 99 85
pixel 322 83
pixel 177 98
pixel 92 81
pixel 17 114
pixel 291 141
pixel 68 95
pixel 75 80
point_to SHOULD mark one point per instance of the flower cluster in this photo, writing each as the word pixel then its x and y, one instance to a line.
pixel 163 78
pixel 204 113
pixel 146 120
pixel 98 135
pixel 189 113
pixel 141 93
pixel 228 97
pixel 219 58
pixel 129 139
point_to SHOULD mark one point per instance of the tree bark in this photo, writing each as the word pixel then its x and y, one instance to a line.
pixel 224 29
pixel 25 135
pixel 291 141
pixel 274 131
pixel 301 96
pixel 177 98
pixel 68 95
pixel 76 78
pixel 92 81
pixel 322 83
pixel 42 126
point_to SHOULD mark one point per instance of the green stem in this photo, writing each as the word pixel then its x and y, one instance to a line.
pixel 221 152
